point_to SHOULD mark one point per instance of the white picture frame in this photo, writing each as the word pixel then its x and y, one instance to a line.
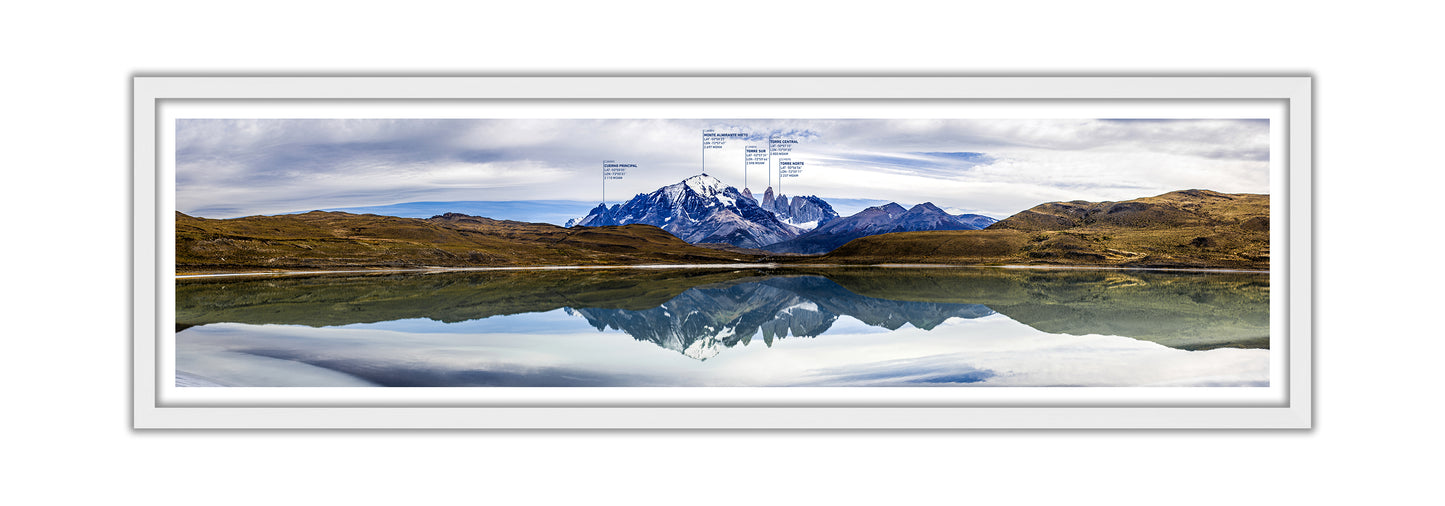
pixel 151 277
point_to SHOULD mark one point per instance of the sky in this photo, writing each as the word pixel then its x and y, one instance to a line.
pixel 240 167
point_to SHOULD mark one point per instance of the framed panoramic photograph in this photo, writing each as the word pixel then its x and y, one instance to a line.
pixel 722 252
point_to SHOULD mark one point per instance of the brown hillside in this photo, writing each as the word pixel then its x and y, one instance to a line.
pixel 1192 228
pixel 326 240
pixel 1188 208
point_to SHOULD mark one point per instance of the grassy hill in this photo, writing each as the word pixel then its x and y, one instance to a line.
pixel 1191 228
pixel 332 240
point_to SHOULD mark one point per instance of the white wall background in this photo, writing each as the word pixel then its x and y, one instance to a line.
pixel 66 436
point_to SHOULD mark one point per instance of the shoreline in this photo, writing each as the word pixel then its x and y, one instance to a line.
pixel 1060 267
pixel 429 270
pixel 436 270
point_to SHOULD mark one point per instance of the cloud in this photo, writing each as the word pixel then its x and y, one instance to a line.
pixel 964 156
pixel 233 167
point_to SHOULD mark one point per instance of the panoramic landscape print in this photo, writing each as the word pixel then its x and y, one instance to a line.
pixel 956 253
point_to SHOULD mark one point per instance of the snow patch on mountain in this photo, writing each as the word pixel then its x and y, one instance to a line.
pixel 805 211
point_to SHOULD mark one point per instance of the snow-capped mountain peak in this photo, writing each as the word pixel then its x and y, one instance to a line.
pixel 701 186
pixel 704 185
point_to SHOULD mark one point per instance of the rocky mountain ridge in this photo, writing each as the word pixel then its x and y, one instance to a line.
pixel 700 209
pixel 804 211
pixel 885 219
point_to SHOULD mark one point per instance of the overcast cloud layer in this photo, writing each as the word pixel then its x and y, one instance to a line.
pixel 238 167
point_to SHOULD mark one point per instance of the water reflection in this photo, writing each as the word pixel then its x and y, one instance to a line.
pixel 703 320
pixel 881 327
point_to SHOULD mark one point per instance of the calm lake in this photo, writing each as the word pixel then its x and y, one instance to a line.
pixel 826 326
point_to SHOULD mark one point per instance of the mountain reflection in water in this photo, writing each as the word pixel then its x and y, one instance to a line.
pixel 701 313
pixel 701 321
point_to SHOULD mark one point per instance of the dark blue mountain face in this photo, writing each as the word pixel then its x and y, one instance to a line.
pixel 883 219
pixel 977 220
pixel 700 209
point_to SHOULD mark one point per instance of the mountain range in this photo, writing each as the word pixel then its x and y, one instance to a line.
pixel 701 209
pixel 885 219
